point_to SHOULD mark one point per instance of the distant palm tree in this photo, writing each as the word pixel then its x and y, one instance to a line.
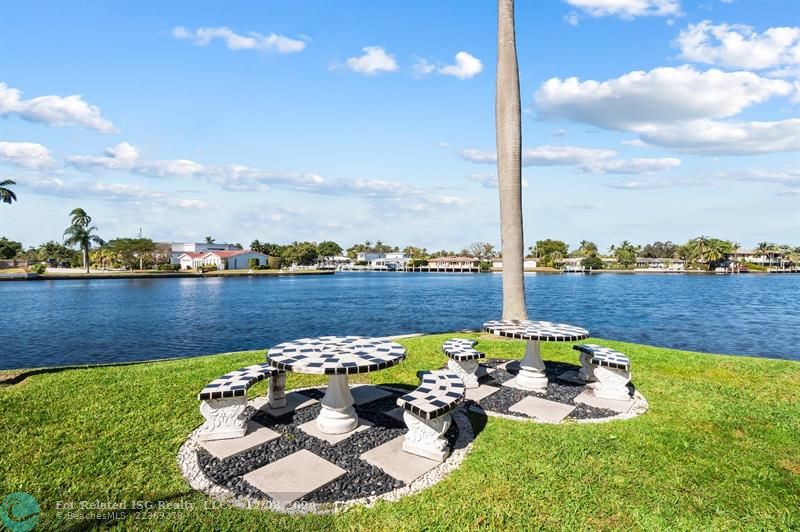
pixel 79 217
pixel 210 240
pixel 83 237
pixel 6 194
pixel 508 129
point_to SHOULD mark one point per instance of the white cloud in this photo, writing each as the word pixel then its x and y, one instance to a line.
pixel 636 143
pixel 235 41
pixel 588 160
pixel 632 166
pixel 628 9
pixel 123 156
pixel 663 95
pixel 423 67
pixel 563 156
pixel 239 178
pixel 652 183
pixel 374 60
pixel 53 110
pixel 675 108
pixel 106 191
pixel 465 67
pixel 26 155
pixel 711 137
pixel 572 19
pixel 788 177
pixel 739 46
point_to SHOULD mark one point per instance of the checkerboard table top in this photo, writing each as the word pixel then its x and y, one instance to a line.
pixel 461 349
pixel 236 383
pixel 336 355
pixel 604 356
pixel 540 331
pixel 438 393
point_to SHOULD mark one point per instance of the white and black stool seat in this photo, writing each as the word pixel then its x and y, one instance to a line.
pixel 438 393
pixel 461 349
pixel 605 356
pixel 336 355
pixel 236 383
pixel 539 331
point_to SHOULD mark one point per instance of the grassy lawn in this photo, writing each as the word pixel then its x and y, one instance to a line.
pixel 719 449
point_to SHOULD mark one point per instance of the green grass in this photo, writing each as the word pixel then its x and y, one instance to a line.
pixel 719 449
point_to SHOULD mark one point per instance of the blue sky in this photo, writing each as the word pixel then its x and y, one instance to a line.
pixel 643 120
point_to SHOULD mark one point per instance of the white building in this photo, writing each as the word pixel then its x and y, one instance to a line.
pixel 660 264
pixel 454 264
pixel 529 263
pixel 337 261
pixel 179 248
pixel 223 260
pixel 366 256
pixel 757 257
pixel 388 261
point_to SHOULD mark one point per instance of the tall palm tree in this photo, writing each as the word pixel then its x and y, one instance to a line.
pixel 79 217
pixel 6 194
pixel 83 237
pixel 508 123
pixel 81 234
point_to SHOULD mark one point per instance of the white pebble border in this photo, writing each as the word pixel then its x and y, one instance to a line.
pixel 190 468
pixel 639 407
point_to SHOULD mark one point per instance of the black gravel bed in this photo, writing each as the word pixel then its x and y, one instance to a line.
pixel 559 391
pixel 361 480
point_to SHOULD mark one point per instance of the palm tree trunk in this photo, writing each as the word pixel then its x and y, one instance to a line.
pixel 86 259
pixel 509 163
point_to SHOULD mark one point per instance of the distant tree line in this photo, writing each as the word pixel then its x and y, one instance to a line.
pixel 83 247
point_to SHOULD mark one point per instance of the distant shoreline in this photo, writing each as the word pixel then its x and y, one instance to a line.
pixel 280 273
pixel 157 275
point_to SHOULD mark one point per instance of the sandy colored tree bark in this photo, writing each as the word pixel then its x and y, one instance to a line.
pixel 509 163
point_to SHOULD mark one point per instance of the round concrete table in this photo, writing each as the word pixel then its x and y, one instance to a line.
pixel 337 357
pixel 531 369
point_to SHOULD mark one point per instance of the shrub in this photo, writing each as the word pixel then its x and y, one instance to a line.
pixel 169 267
pixel 593 262
pixel 252 263
pixel 486 266
pixel 361 263
pixel 39 268
pixel 275 263
pixel 208 268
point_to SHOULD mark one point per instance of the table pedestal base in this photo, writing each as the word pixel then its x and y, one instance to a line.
pixel 337 415
pixel 531 370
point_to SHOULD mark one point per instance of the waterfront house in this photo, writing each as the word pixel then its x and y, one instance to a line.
pixel 454 264
pixel 179 248
pixel 365 257
pixel 337 261
pixel 753 256
pixel 389 261
pixel 529 263
pixel 223 260
pixel 664 263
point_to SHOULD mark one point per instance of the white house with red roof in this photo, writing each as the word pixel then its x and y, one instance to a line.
pixel 223 260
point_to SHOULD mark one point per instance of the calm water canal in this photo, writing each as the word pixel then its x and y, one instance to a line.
pixel 49 323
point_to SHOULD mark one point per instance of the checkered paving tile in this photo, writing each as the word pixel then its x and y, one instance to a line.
pixel 540 331
pixel 335 355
